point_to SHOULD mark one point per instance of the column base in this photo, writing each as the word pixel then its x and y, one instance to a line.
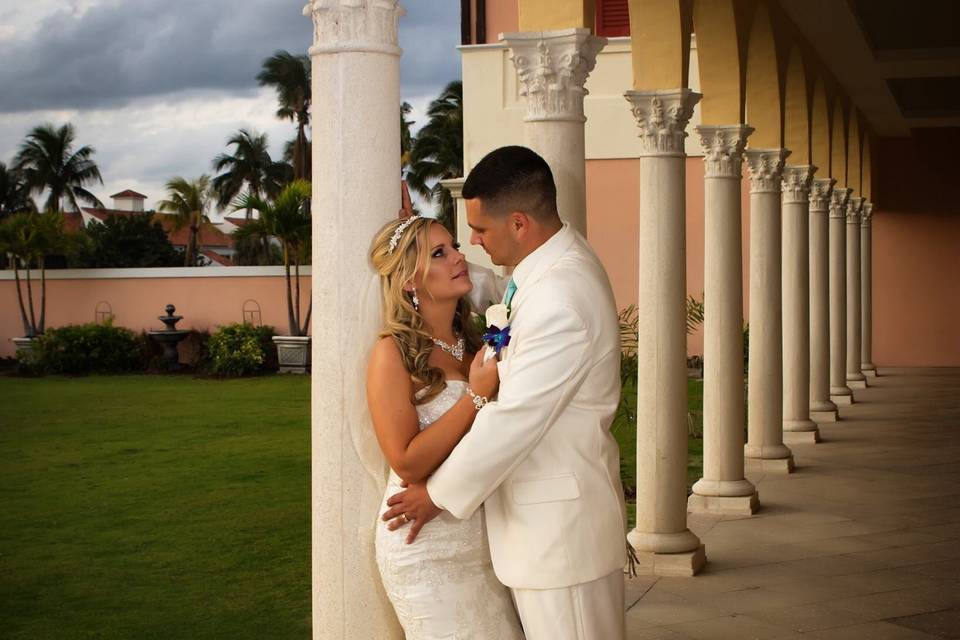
pixel 869 370
pixel 824 416
pixel 857 384
pixel 672 565
pixel 801 437
pixel 770 465
pixel 724 505
pixel 841 395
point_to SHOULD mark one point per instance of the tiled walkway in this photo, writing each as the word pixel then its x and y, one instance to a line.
pixel 862 541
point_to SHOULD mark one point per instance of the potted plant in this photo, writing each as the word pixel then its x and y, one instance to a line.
pixel 29 238
pixel 287 218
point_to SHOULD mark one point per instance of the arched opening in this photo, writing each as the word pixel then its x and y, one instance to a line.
pixel 796 125
pixel 838 144
pixel 764 97
pixel 820 129
pixel 660 43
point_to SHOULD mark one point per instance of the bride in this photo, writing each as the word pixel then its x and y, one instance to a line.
pixel 425 383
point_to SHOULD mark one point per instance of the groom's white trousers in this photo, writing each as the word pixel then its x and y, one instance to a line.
pixel 588 611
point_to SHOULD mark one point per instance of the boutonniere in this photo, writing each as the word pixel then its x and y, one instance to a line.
pixel 497 334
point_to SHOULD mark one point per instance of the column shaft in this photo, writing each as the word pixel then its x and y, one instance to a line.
pixel 822 409
pixel 797 425
pixel 855 377
pixel 840 393
pixel 723 488
pixel 356 143
pixel 866 290
pixel 552 68
pixel 765 361
pixel 661 534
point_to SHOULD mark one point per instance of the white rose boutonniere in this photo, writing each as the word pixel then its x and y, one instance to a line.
pixel 497 334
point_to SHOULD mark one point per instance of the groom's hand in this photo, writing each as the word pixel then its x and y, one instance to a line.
pixel 415 503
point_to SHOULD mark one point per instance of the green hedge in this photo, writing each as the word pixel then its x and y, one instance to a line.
pixel 87 348
pixel 241 349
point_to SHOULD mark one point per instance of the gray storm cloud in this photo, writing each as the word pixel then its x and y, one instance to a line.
pixel 118 52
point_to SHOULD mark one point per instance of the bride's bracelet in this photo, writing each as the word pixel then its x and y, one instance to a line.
pixel 479 402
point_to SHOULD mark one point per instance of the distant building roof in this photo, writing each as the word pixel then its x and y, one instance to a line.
pixel 72 221
pixel 129 193
pixel 215 257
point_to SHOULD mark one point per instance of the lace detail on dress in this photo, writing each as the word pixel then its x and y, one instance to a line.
pixel 443 585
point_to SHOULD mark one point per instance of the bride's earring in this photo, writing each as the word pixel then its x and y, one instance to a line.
pixel 416 300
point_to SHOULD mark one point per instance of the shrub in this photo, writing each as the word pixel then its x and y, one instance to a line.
pixel 87 348
pixel 241 349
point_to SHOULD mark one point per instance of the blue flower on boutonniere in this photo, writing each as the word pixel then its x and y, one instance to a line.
pixel 497 335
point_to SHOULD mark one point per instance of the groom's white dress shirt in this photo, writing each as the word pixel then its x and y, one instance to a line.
pixel 541 457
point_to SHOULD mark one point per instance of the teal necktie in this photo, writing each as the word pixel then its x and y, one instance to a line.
pixel 511 289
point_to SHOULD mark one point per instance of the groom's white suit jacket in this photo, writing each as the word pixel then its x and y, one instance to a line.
pixel 541 457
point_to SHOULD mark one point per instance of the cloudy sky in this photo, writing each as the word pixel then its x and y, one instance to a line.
pixel 157 87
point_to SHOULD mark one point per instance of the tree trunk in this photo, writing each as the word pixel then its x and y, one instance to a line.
pixel 291 321
pixel 33 321
pixel 23 311
pixel 296 270
pixel 43 295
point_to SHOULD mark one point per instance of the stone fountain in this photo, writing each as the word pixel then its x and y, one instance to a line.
pixel 169 338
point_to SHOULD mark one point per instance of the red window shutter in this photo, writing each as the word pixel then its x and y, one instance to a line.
pixel 613 18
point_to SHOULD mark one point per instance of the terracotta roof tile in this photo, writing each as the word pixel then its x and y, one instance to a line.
pixel 129 193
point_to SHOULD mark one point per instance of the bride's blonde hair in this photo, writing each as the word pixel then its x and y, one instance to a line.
pixel 401 320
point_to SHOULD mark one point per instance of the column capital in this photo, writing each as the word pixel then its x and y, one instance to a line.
pixel 796 182
pixel 365 26
pixel 662 116
pixel 766 169
pixel 821 190
pixel 723 148
pixel 853 210
pixel 866 214
pixel 552 67
pixel 838 202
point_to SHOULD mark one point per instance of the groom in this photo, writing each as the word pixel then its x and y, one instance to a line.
pixel 541 457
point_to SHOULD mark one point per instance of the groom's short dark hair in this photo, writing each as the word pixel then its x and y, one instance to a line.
pixel 513 179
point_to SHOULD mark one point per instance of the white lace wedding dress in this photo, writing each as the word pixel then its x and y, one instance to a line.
pixel 443 585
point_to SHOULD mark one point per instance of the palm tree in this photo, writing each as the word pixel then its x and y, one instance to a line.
pixel 406 137
pixel 250 165
pixel 48 161
pixel 252 245
pixel 30 238
pixel 437 152
pixel 290 76
pixel 188 201
pixel 14 194
pixel 288 219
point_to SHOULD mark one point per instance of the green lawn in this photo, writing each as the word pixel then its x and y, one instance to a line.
pixel 163 507
pixel 154 507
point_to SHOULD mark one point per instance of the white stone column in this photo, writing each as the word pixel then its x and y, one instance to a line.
pixel 552 68
pixel 866 290
pixel 797 425
pixel 765 448
pixel 723 488
pixel 356 157
pixel 840 393
pixel 855 377
pixel 822 409
pixel 661 536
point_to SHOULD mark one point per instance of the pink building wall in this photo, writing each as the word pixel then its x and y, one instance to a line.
pixel 205 301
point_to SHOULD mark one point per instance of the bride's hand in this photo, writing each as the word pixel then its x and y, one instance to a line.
pixel 484 376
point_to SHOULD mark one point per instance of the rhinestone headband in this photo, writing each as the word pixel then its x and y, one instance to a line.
pixel 395 238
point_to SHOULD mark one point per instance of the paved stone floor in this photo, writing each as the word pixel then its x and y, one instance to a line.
pixel 862 541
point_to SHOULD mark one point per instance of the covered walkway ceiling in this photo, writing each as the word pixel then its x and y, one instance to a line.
pixel 898 61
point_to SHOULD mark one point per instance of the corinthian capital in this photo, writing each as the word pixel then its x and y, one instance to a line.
pixel 796 182
pixel 341 26
pixel 853 210
pixel 552 67
pixel 821 190
pixel 838 202
pixel 866 214
pixel 723 148
pixel 662 117
pixel 766 169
